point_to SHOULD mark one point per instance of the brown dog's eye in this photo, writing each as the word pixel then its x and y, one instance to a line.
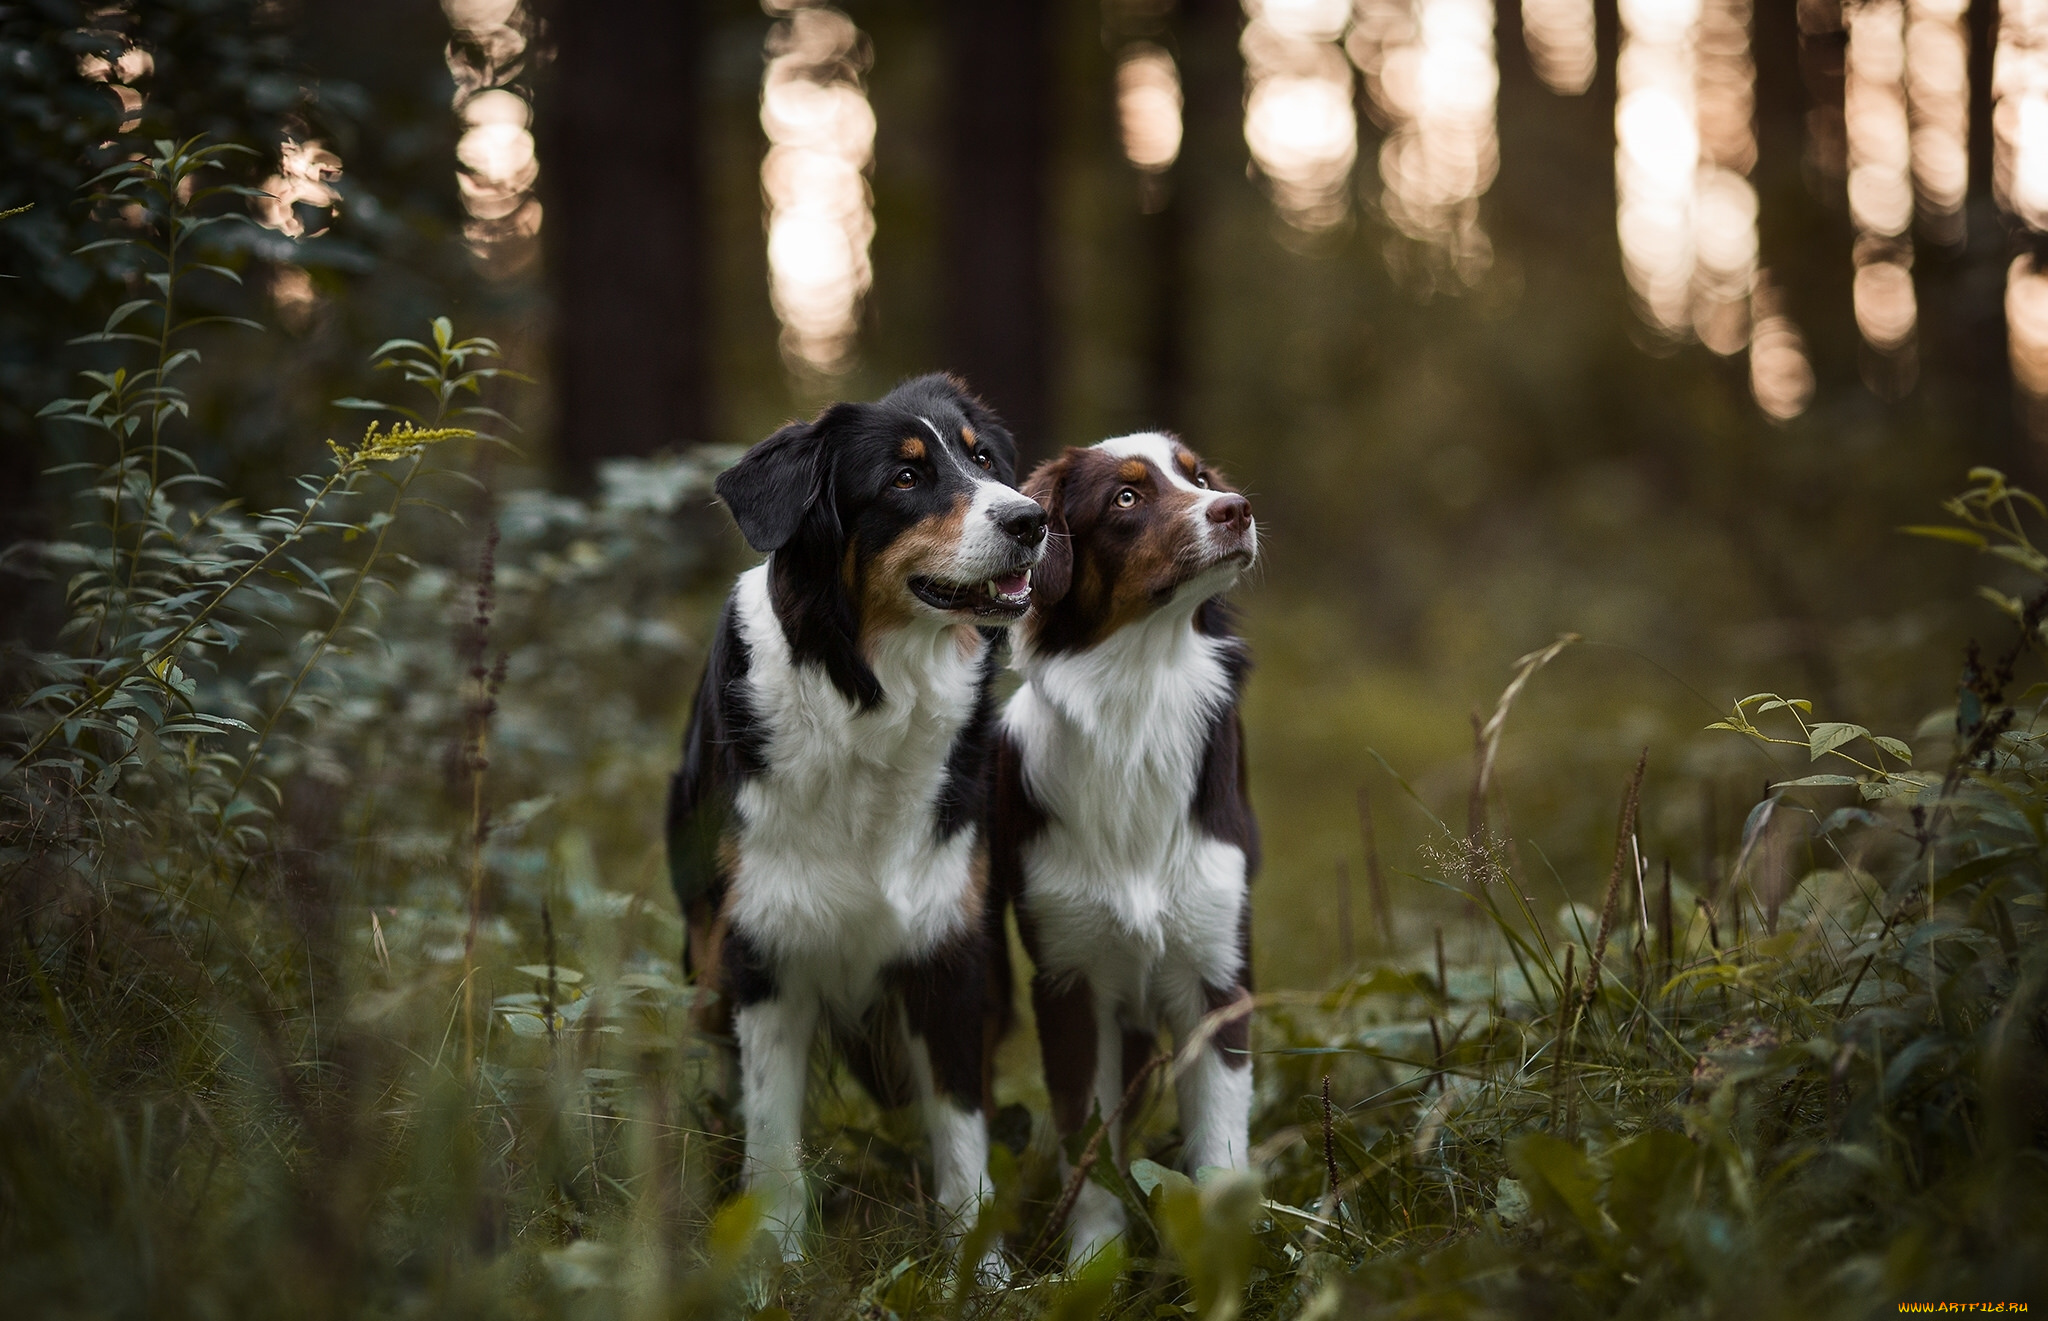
pixel 987 464
pixel 1126 498
pixel 906 479
pixel 1202 480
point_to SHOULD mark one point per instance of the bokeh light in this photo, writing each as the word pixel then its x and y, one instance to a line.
pixel 820 216
pixel 499 165
pixel 130 65
pixel 1299 120
pixel 1148 106
pixel 1885 306
pixel 306 172
pixel 1724 202
pixel 1686 211
pixel 2019 120
pixel 1657 156
pixel 1562 44
pixel 1780 373
pixel 1874 107
pixel 1880 172
pixel 1938 99
pixel 1429 67
pixel 2026 319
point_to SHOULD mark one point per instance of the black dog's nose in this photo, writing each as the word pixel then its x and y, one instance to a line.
pixel 1233 511
pixel 1024 525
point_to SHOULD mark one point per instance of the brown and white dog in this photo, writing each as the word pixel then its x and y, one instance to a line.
pixel 1120 823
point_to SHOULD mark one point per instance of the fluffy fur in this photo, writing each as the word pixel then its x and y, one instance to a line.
pixel 1121 828
pixel 824 830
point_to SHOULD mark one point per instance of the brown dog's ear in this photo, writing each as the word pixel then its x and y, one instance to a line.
pixel 1054 572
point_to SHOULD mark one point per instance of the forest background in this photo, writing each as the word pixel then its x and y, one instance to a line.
pixel 1469 424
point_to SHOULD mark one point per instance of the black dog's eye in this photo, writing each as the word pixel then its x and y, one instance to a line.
pixel 1126 498
pixel 987 464
pixel 906 479
pixel 1202 480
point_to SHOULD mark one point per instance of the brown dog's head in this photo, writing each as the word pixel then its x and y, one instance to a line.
pixel 1137 524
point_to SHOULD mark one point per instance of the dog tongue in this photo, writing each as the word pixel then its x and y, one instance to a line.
pixel 1012 584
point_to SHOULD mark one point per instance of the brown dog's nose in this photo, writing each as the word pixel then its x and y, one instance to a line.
pixel 1233 511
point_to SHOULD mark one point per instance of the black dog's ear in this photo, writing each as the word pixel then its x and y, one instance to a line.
pixel 1054 572
pixel 988 428
pixel 769 489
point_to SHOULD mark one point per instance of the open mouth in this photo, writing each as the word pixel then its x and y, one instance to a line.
pixel 1003 597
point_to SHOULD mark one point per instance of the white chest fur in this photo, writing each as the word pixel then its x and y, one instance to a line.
pixel 1122 883
pixel 841 867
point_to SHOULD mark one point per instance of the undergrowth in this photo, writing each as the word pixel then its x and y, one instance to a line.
pixel 339 972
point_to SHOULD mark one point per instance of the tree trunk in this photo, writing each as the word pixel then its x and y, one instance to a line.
pixel 1210 169
pixel 622 178
pixel 997 289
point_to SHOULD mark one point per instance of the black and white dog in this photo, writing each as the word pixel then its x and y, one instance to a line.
pixel 1120 823
pixel 825 827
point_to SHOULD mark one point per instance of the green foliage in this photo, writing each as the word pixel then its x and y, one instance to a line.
pixel 171 583
pixel 340 975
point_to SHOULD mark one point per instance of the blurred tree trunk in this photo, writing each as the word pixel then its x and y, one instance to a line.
pixel 1978 347
pixel 1212 162
pixel 1164 234
pixel 622 178
pixel 997 313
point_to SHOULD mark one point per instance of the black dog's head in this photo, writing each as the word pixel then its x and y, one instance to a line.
pixel 883 514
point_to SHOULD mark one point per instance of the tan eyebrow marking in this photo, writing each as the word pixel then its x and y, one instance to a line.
pixel 911 448
pixel 967 434
pixel 1133 470
pixel 1186 460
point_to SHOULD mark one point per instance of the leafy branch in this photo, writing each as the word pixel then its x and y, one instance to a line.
pixel 1829 738
pixel 156 665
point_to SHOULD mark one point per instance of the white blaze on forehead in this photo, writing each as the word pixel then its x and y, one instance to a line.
pixel 954 452
pixel 1158 450
pixel 1152 447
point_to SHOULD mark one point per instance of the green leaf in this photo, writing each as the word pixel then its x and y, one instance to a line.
pixel 2025 556
pixel 1816 782
pixel 1650 1171
pixel 567 976
pixel 1151 1176
pixel 1893 748
pixel 2007 605
pixel 1960 535
pixel 1828 735
pixel 1086 1294
pixel 1561 1184
pixel 733 1228
pixel 123 312
pixel 1893 786
pixel 242 321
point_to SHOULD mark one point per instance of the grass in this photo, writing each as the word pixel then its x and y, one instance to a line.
pixel 339 967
